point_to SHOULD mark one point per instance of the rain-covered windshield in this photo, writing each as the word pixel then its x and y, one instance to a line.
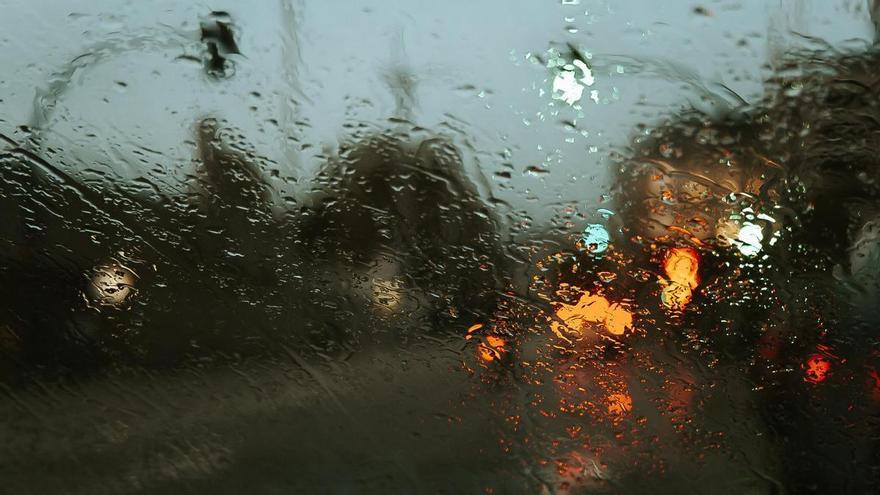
pixel 494 247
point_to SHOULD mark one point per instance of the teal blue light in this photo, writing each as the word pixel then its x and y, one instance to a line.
pixel 595 238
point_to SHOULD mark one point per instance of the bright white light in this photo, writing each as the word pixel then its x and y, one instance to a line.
pixel 567 86
pixel 588 78
pixel 749 239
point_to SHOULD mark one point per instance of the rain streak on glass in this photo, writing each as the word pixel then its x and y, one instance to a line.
pixel 564 247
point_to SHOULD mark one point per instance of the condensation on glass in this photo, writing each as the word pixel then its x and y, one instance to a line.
pixel 563 247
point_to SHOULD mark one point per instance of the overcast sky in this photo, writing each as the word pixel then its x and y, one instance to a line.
pixel 317 65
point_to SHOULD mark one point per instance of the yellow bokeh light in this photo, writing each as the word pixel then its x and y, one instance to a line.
pixel 573 319
pixel 681 267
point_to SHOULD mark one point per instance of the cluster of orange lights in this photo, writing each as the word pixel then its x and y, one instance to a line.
pixel 574 320
pixel 593 315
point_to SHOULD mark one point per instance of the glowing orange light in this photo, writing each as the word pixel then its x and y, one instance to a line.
pixel 590 308
pixel 619 404
pixel 681 267
pixel 492 349
pixel 473 328
pixel 816 368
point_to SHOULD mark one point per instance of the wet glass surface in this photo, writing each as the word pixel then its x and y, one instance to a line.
pixel 561 247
